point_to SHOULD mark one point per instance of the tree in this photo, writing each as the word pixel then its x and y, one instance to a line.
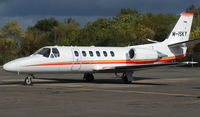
pixel 12 30
pixel 8 47
pixel 128 11
pixel 34 39
pixel 143 33
pixel 194 9
pixel 161 24
pixel 94 33
pixel 46 24
pixel 194 35
pixel 8 50
pixel 45 27
pixel 117 31
pixel 71 21
pixel 66 34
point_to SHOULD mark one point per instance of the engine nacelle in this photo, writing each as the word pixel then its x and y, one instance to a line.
pixel 145 54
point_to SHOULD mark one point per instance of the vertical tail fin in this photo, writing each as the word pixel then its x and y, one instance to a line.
pixel 181 30
pixel 180 33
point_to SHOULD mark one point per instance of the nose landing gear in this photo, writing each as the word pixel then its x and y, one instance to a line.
pixel 28 79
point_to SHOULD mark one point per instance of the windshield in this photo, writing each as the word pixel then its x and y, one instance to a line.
pixel 55 52
pixel 44 51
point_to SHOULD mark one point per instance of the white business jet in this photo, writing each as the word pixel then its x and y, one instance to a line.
pixel 89 60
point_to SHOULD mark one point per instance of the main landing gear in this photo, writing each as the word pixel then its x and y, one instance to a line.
pixel 127 77
pixel 88 77
pixel 28 79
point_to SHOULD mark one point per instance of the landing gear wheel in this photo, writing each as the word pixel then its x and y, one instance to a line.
pixel 125 80
pixel 118 74
pixel 88 77
pixel 28 80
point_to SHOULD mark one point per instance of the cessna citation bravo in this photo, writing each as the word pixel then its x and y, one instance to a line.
pixel 89 60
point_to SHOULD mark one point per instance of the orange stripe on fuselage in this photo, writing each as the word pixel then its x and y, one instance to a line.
pixel 128 61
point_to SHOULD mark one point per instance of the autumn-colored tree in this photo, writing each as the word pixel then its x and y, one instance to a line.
pixel 195 34
pixel 161 24
pixel 194 9
pixel 8 47
pixel 66 34
pixel 143 33
pixel 34 39
pixel 46 24
pixel 13 30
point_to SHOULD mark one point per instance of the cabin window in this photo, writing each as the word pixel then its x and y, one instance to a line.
pixel 84 53
pixel 91 53
pixel 112 53
pixel 76 53
pixel 44 51
pixel 98 53
pixel 131 53
pixel 105 53
pixel 55 52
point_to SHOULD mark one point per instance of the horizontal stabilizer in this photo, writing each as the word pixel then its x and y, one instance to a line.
pixel 152 41
pixel 185 43
pixel 189 63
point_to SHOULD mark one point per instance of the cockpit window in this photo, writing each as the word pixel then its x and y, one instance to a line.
pixel 47 51
pixel 55 52
pixel 44 51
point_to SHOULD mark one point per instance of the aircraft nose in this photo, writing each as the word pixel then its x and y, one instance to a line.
pixel 9 67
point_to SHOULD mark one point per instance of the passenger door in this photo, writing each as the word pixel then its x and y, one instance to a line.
pixel 76 60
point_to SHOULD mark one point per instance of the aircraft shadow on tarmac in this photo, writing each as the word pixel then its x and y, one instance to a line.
pixel 96 81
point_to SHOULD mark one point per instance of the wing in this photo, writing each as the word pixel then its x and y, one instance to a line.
pixel 137 67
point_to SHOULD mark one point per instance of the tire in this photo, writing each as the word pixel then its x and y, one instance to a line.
pixel 125 80
pixel 88 77
pixel 28 80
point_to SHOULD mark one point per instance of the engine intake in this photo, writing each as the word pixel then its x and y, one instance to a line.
pixel 143 53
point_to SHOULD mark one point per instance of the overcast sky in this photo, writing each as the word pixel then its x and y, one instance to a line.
pixel 27 12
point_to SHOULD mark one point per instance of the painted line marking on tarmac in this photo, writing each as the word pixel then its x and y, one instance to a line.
pixel 146 92
pixel 122 91
pixel 8 86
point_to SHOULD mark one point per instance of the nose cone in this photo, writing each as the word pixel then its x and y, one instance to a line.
pixel 17 65
pixel 10 66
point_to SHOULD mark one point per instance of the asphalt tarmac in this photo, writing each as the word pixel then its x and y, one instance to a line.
pixel 160 92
